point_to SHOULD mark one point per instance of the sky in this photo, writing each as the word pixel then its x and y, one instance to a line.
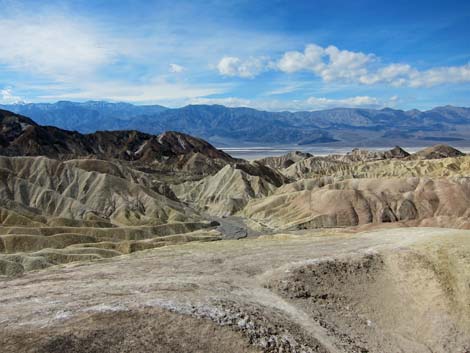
pixel 270 54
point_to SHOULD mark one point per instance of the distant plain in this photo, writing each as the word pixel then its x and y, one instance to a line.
pixel 256 152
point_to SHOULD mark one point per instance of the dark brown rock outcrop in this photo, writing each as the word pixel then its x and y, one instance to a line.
pixel 20 136
pixel 437 152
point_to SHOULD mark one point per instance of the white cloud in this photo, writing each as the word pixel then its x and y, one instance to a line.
pixel 334 65
pixel 311 103
pixel 232 102
pixel 441 75
pixel 175 68
pixel 344 64
pixel 311 59
pixel 158 91
pixel 329 63
pixel 61 56
pixel 394 74
pixel 54 46
pixel 233 66
pixel 7 97
pixel 405 75
pixel 352 102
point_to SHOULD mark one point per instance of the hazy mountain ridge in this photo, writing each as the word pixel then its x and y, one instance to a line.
pixel 216 123
pixel 84 117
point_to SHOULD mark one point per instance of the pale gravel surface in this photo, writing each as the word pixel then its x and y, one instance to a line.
pixel 216 281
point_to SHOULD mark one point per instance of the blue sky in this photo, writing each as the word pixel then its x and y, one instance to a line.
pixel 273 55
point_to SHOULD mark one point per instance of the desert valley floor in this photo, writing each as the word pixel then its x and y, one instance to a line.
pixel 128 242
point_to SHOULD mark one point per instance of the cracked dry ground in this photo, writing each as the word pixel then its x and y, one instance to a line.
pixel 389 290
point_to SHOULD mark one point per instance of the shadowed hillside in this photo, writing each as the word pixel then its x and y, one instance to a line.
pixel 20 136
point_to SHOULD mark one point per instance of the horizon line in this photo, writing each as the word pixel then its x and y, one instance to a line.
pixel 229 107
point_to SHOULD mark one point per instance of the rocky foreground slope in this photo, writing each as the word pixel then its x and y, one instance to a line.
pixel 403 290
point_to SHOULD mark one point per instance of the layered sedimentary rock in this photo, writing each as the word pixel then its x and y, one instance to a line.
pixel 436 152
pixel 284 161
pixel 228 191
pixel 325 166
pixel 353 202
pixel 62 211
pixel 359 155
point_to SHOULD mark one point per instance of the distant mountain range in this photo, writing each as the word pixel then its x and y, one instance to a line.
pixel 241 126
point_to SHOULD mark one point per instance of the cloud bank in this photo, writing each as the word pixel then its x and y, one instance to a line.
pixel 7 97
pixel 233 66
pixel 335 65
pixel 311 103
pixel 58 47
